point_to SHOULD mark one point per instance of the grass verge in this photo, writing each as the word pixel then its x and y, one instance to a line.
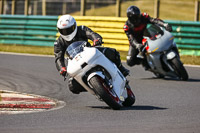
pixel 27 49
pixel 169 9
pixel 186 59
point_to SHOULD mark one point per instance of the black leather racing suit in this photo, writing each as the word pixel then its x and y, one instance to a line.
pixel 83 34
pixel 135 35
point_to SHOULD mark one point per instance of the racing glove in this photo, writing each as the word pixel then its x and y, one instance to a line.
pixel 97 42
pixel 168 27
pixel 63 71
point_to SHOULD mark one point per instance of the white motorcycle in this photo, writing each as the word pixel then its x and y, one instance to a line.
pixel 98 75
pixel 162 56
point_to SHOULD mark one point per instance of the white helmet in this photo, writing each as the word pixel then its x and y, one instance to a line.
pixel 67 27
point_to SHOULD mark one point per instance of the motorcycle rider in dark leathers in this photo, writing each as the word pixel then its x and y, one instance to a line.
pixel 134 28
pixel 69 33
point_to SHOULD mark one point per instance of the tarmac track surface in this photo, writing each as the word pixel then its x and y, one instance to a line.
pixel 162 105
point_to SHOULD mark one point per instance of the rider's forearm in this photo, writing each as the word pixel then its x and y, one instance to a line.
pixel 132 41
pixel 157 21
pixel 91 34
pixel 59 60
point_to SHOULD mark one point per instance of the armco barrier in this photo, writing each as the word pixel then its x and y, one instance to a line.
pixel 41 31
pixel 187 36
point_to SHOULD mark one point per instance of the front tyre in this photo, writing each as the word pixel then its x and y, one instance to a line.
pixel 130 100
pixel 105 92
pixel 179 69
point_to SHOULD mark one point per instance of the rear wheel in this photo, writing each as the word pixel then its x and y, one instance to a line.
pixel 158 75
pixel 179 69
pixel 130 100
pixel 105 92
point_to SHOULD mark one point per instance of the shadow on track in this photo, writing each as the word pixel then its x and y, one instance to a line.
pixel 143 107
pixel 176 79
pixel 193 80
pixel 171 79
pixel 137 107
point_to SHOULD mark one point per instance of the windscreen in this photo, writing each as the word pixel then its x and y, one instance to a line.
pixel 75 48
pixel 153 31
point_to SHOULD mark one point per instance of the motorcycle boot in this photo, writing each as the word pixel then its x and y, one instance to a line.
pixel 141 49
pixel 140 55
pixel 123 70
pixel 118 63
pixel 146 65
pixel 75 87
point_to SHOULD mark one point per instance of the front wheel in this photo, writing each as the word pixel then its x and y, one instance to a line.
pixel 130 100
pixel 105 92
pixel 179 69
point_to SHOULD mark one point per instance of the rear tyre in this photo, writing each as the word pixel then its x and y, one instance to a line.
pixel 158 75
pixel 104 92
pixel 130 100
pixel 179 69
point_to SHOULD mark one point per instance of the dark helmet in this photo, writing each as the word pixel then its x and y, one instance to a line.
pixel 133 14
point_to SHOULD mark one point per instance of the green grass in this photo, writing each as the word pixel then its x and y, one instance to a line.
pixel 193 60
pixel 169 9
pixel 27 49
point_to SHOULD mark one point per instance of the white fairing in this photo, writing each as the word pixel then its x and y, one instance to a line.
pixel 89 58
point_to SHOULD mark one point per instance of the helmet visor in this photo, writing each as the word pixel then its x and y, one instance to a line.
pixel 67 31
pixel 134 19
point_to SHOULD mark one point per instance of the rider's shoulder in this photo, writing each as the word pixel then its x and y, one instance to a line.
pixel 82 27
pixel 59 41
pixel 126 26
pixel 145 15
pixel 56 42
